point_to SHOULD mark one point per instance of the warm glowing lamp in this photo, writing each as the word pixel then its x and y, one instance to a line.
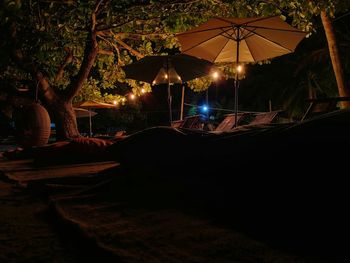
pixel 215 75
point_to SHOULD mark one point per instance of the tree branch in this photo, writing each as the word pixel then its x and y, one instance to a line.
pixel 124 35
pixel 68 59
pixel 42 84
pixel 105 52
pixel 44 87
pixel 116 37
pixel 114 46
pixel 127 47
pixel 90 54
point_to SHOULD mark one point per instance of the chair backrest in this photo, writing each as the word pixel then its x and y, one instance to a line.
pixel 322 106
pixel 120 133
pixel 228 123
pixel 189 122
pixel 177 124
pixel 192 122
pixel 264 118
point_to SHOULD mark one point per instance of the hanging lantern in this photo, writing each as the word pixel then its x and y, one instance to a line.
pixel 32 123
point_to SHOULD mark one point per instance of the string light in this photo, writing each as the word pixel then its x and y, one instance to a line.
pixel 239 68
pixel 132 96
pixel 143 90
pixel 215 75
pixel 115 102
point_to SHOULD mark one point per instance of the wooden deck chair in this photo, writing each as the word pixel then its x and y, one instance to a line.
pixel 321 106
pixel 192 122
pixel 229 122
pixel 177 124
pixel 189 122
pixel 264 118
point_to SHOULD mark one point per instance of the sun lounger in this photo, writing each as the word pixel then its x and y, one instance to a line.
pixel 189 122
pixel 321 106
pixel 229 122
pixel 82 158
pixel 177 124
pixel 23 176
pixel 264 118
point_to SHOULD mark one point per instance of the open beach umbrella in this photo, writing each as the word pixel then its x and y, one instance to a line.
pixel 168 69
pixel 240 40
pixel 84 113
pixel 91 104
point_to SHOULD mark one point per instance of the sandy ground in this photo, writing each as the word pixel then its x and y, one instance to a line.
pixel 167 204
pixel 25 232
pixel 30 233
pixel 91 226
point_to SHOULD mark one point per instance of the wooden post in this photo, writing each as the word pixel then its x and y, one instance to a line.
pixel 207 103
pixel 182 102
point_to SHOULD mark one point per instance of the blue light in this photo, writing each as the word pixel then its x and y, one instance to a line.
pixel 205 108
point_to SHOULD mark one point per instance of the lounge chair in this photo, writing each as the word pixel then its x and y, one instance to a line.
pixel 228 123
pixel 264 118
pixel 177 124
pixel 321 106
pixel 189 122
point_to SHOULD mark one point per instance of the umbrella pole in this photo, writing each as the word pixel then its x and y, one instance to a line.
pixel 90 123
pixel 236 79
pixel 169 95
pixel 182 102
pixel 169 102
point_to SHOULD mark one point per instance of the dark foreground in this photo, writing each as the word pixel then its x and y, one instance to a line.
pixel 267 194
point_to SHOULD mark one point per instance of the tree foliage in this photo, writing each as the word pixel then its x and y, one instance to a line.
pixel 54 38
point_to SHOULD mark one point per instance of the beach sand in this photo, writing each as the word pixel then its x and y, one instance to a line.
pixel 256 195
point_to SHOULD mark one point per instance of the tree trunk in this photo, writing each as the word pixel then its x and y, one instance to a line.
pixel 65 120
pixel 335 58
pixel 60 105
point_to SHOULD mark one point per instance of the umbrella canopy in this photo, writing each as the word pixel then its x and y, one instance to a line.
pixel 168 69
pixel 91 104
pixel 95 105
pixel 84 113
pixel 241 40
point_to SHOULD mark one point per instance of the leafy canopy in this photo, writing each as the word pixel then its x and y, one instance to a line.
pixel 46 31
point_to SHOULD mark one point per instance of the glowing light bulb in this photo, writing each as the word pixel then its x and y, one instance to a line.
pixel 115 102
pixel 154 82
pixel 123 99
pixel 166 76
pixel 143 90
pixel 132 96
pixel 239 68
pixel 215 75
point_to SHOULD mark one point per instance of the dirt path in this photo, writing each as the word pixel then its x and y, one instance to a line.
pixel 25 233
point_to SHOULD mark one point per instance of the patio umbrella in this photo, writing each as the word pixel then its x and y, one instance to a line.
pixel 168 69
pixel 83 113
pixel 241 40
pixel 91 104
